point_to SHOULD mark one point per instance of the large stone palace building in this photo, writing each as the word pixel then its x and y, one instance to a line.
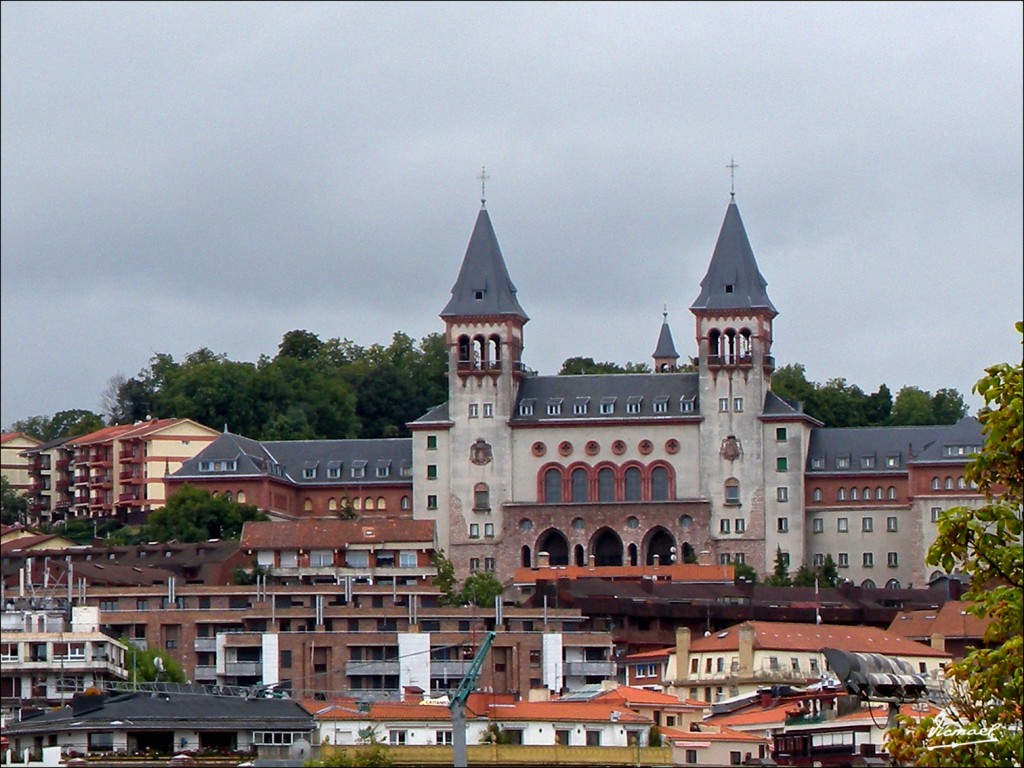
pixel 623 469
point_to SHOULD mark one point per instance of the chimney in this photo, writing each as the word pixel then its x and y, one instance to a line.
pixel 412 693
pixel 746 647
pixel 704 558
pixel 938 642
pixel 543 560
pixel 656 559
pixel 682 652
pixel 539 694
pixel 592 562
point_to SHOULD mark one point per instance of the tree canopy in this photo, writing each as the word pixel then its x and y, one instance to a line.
pixel 192 515
pixel 982 725
pixel 837 403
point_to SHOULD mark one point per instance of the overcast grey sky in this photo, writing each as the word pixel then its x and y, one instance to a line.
pixel 177 176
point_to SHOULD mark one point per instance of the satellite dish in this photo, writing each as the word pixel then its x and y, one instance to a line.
pixel 159 664
pixel 299 749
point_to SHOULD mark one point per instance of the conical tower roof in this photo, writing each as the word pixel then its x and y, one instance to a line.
pixel 666 348
pixel 483 287
pixel 733 280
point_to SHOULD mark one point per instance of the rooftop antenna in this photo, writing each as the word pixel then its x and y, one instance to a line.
pixel 664 313
pixel 732 177
pixel 483 186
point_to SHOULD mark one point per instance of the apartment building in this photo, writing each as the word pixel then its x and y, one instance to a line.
pixel 46 659
pixel 13 465
pixel 757 654
pixel 115 471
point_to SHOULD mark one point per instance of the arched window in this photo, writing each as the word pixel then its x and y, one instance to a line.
pixel 406 503
pixel 494 350
pixel 605 485
pixel 479 352
pixel 879 494
pixel 816 494
pixel 659 484
pixel 745 347
pixel 892 584
pixel 841 494
pixel 227 494
pixel 332 504
pixel 867 584
pixel 732 491
pixel 949 483
pixel 607 548
pixel 854 494
pixel 554 543
pixel 381 503
pixel 524 556
pixel 867 494
pixel 715 345
pixel 307 505
pixel 357 503
pixel 961 484
pixel 481 497
pixel 368 503
pixel 936 483
pixel 579 486
pixel 553 486
pixel 892 493
pixel 685 522
pixel 730 346
pixel 463 349
pixel 633 478
pixel 631 554
pixel 579 555
pixel 241 497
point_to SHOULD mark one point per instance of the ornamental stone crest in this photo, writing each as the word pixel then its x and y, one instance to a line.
pixel 480 452
pixel 731 448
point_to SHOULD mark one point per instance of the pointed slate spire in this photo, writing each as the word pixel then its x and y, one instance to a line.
pixel 666 348
pixel 483 287
pixel 733 280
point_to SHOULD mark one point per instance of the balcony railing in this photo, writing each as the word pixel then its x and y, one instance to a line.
pixel 204 672
pixel 353 668
pixel 205 644
pixel 590 668
pixel 243 668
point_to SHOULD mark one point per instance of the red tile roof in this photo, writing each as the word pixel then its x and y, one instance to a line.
pixel 593 711
pixel 682 735
pixel 335 534
pixel 657 653
pixel 644 697
pixel 756 715
pixel 951 620
pixel 790 636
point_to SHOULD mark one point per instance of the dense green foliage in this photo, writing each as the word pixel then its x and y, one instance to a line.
pixel 780 574
pixel 192 515
pixel 62 424
pixel 480 589
pixel 14 504
pixel 840 404
pixel 142 666
pixel 982 725
pixel 576 366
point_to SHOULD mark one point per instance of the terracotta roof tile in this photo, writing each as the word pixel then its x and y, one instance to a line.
pixel 950 620
pixel 657 653
pixel 319 534
pixel 723 734
pixel 634 697
pixel 789 636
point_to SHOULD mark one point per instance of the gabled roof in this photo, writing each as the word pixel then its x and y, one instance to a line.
pixel 683 737
pixel 593 711
pixel 657 653
pixel 789 636
pixel 10 437
pixel 628 696
pixel 202 712
pixel 483 287
pixel 951 620
pixel 733 281
pixel 335 534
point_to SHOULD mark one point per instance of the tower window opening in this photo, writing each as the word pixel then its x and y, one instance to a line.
pixel 729 288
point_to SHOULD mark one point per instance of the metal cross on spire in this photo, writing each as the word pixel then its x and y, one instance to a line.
pixel 483 186
pixel 732 177
pixel 664 313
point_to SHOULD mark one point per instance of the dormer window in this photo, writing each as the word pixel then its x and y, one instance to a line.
pixel 729 287
pixel 842 462
pixel 661 405
pixel 334 470
pixel 607 406
pixel 686 404
pixel 633 404
pixel 867 462
pixel 817 463
pixel 526 407
pixel 478 295
pixel 383 468
pixel 555 406
pixel 309 470
pixel 892 461
pixel 359 469
pixel 581 406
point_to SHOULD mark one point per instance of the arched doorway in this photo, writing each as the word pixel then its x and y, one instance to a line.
pixel 631 554
pixel 607 548
pixel 689 556
pixel 525 556
pixel 555 544
pixel 579 555
pixel 662 544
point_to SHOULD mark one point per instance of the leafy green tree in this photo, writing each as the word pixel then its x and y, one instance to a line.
pixel 62 424
pixel 828 574
pixel 804 576
pixel 143 668
pixel 14 504
pixel 742 572
pixel 790 382
pixel 480 589
pixel 986 544
pixel 445 580
pixel 780 576
pixel 300 345
pixel 878 408
pixel 192 514
pixel 913 406
pixel 948 406
pixel 577 366
pixel 840 404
